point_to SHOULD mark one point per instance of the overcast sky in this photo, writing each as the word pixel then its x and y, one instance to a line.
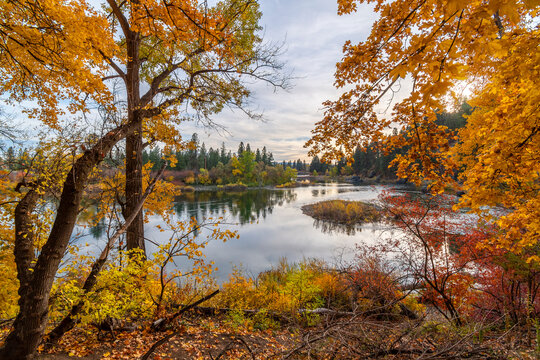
pixel 314 36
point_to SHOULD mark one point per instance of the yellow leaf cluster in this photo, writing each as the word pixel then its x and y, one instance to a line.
pixel 51 52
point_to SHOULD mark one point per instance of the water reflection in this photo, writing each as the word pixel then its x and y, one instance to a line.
pixel 273 226
pixel 332 228
pixel 98 231
pixel 244 206
pixel 328 227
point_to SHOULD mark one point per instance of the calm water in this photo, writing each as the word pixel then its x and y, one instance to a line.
pixel 271 226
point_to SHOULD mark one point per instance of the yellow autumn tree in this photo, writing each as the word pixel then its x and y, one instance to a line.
pixel 51 52
pixel 436 49
pixel 177 61
pixel 173 61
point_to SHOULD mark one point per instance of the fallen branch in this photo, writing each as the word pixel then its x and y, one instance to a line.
pixel 162 323
pixel 278 316
pixel 229 345
pixel 178 313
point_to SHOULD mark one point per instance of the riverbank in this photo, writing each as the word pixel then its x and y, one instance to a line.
pixel 304 181
pixel 297 311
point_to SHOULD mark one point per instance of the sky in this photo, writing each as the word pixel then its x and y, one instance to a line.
pixel 314 36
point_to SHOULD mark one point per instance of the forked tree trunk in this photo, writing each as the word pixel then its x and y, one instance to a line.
pixel 29 326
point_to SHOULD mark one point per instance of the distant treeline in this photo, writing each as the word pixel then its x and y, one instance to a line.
pixel 199 157
pixel 199 165
pixel 259 166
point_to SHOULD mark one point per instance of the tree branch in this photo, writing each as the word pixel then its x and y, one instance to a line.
pixel 120 16
pixel 70 320
pixel 181 311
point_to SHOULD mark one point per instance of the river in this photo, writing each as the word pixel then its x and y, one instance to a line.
pixel 271 226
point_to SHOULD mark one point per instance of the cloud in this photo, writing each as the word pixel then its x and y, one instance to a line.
pixel 314 35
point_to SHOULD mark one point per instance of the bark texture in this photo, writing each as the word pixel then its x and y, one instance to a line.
pixel 70 320
pixel 134 145
pixel 29 326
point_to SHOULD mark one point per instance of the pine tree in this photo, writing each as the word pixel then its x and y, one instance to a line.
pixel 258 157
pixel 223 154
pixel 192 153
pixel 264 156
pixel 10 158
pixel 202 157
pixel 241 148
pixel 315 165
pixel 270 159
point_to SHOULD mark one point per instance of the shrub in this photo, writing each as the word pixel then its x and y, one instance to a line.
pixel 203 177
pixel 235 187
pixel 286 288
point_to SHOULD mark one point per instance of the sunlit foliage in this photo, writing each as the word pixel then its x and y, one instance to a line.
pixel 435 49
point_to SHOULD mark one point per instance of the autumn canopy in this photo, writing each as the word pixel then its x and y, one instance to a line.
pixel 121 76
pixel 445 52
pixel 146 66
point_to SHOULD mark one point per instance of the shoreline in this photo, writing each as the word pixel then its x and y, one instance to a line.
pixel 319 180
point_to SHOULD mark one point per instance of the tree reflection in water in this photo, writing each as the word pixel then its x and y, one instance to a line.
pixel 329 227
pixel 245 207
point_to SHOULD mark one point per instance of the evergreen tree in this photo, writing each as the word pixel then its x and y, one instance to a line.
pixel 264 156
pixel 359 158
pixel 270 159
pixel 241 148
pixel 258 157
pixel 182 160
pixel 213 158
pixel 145 157
pixel 10 158
pixel 341 164
pixel 455 120
pixel 153 156
pixel 192 153
pixel 202 157
pixel 315 165
pixel 223 154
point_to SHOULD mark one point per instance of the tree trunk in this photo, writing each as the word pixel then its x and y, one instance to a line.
pixel 134 190
pixel 134 147
pixel 24 255
pixel 71 318
pixel 28 328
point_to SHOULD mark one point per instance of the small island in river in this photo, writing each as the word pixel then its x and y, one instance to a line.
pixel 343 212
